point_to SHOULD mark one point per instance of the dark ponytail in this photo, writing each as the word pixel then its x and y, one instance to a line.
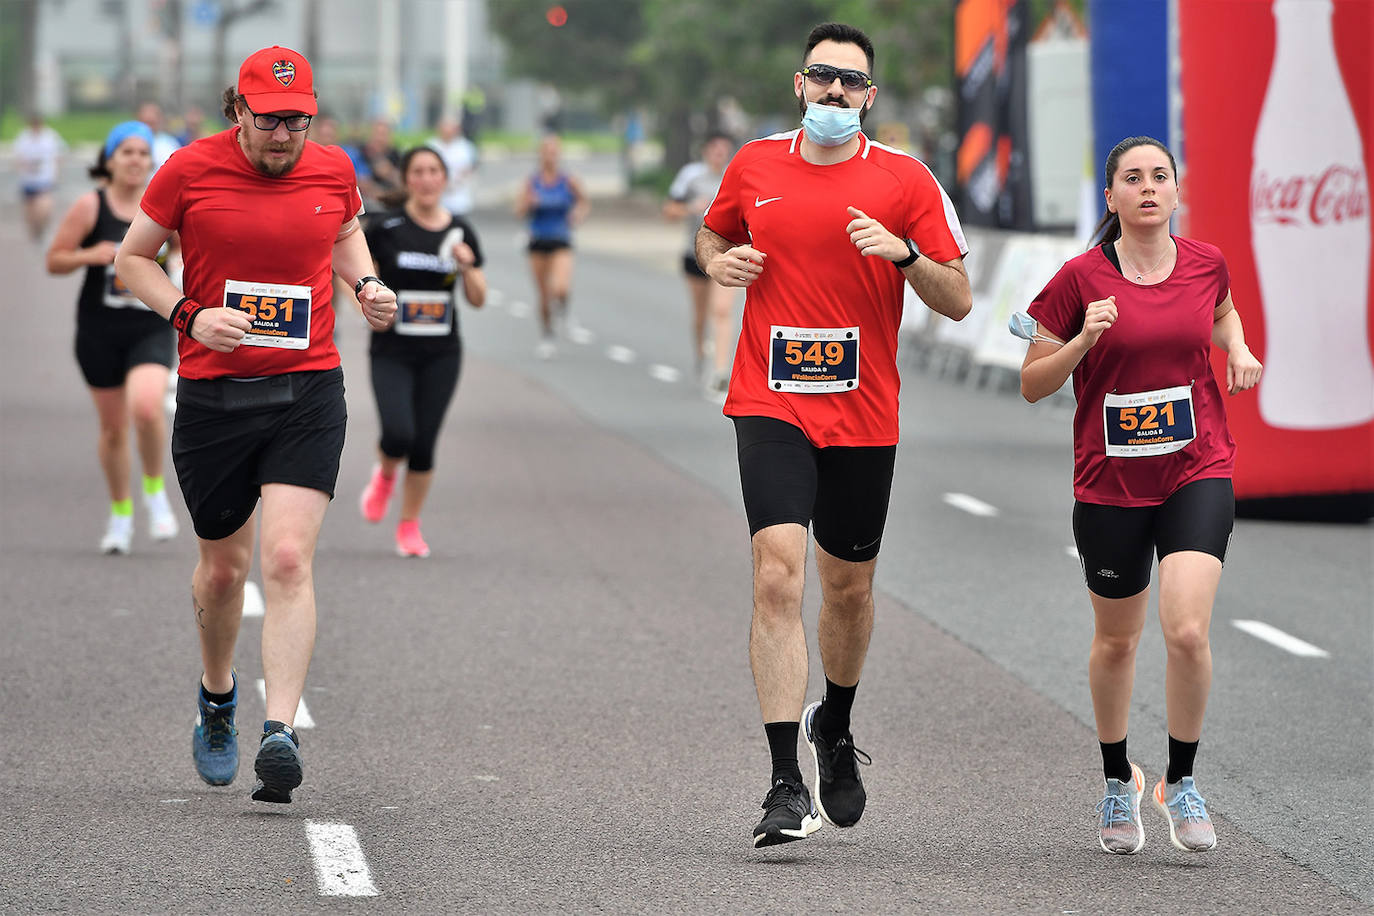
pixel 1109 227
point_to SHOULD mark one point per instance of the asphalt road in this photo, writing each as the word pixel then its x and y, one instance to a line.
pixel 554 711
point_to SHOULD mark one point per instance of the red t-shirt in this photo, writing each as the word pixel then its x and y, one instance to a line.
pixel 245 234
pixel 818 348
pixel 1136 384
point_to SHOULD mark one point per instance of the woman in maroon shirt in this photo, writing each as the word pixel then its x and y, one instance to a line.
pixel 1133 320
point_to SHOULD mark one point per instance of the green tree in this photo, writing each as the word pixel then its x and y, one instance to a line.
pixel 588 53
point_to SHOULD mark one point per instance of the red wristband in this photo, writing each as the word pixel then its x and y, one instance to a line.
pixel 184 314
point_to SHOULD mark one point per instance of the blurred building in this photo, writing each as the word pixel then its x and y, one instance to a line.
pixel 405 59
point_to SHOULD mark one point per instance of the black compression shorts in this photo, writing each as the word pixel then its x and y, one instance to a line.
pixel 230 437
pixel 841 492
pixel 1117 544
pixel 107 354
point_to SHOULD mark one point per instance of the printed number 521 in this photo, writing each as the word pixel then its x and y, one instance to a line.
pixel 1146 417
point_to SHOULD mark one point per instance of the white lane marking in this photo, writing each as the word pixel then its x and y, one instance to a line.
pixel 970 505
pixel 1072 551
pixel 303 719
pixel 664 373
pixel 520 309
pixel 1275 636
pixel 580 335
pixel 340 867
pixel 484 777
pixel 619 354
pixel 253 605
pixel 175 801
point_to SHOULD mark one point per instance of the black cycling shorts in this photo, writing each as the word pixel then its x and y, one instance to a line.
pixel 106 356
pixel 230 437
pixel 691 268
pixel 1117 544
pixel 548 246
pixel 841 492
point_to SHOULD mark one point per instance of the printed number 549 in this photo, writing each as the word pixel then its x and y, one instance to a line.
pixel 831 353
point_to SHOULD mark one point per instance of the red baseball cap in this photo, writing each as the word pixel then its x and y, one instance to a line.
pixel 277 79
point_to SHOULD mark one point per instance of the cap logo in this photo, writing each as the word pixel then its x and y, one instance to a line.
pixel 284 71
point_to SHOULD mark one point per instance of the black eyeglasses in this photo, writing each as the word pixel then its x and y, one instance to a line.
pixel 824 75
pixel 294 123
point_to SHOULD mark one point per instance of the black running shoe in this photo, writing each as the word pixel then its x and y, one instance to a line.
pixel 279 763
pixel 840 794
pixel 789 814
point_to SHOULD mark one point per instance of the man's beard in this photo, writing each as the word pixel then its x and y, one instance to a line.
pixel 276 168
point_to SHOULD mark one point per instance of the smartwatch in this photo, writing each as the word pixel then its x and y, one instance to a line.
pixel 910 258
pixel 358 287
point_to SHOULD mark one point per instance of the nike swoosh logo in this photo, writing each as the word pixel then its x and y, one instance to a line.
pixel 769 200
pixel 858 547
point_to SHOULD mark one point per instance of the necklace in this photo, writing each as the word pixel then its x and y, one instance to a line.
pixel 1139 274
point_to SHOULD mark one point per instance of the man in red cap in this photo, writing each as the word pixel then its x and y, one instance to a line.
pixel 266 218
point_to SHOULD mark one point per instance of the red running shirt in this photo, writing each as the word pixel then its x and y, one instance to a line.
pixel 237 224
pixel 814 278
pixel 1161 341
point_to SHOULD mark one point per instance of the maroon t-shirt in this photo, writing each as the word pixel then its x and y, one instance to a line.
pixel 1150 415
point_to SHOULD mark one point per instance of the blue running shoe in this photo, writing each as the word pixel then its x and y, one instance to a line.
pixel 214 742
pixel 1190 829
pixel 279 763
pixel 1119 829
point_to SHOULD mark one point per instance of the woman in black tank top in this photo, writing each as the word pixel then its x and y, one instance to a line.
pixel 124 349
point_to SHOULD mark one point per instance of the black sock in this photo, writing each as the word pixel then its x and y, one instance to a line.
pixel 782 744
pixel 219 699
pixel 1115 764
pixel 1181 754
pixel 832 719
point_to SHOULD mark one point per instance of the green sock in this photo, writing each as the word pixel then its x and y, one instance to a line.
pixel 122 507
pixel 152 485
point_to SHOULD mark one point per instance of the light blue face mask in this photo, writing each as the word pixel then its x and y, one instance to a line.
pixel 1024 326
pixel 830 125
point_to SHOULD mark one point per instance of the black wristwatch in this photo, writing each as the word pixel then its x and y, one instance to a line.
pixel 910 258
pixel 358 287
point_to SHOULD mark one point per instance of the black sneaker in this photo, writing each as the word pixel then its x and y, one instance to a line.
pixel 840 794
pixel 279 763
pixel 790 814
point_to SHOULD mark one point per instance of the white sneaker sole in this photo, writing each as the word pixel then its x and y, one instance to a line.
pixel 809 825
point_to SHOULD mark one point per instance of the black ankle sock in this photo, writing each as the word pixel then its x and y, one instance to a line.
pixel 833 716
pixel 1181 754
pixel 219 699
pixel 782 744
pixel 1115 764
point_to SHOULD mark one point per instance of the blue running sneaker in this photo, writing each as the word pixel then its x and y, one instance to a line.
pixel 279 763
pixel 1190 829
pixel 214 742
pixel 1120 830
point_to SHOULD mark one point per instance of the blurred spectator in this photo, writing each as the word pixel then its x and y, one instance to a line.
pixel 37 150
pixel 324 130
pixel 192 125
pixel 377 163
pixel 164 144
pixel 460 158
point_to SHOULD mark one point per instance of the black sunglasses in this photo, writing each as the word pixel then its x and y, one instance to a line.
pixel 824 75
pixel 294 123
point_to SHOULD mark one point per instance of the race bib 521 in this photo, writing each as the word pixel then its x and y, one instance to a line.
pixel 1149 422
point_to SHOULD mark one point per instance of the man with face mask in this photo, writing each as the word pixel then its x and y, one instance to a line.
pixel 822 228
pixel 266 219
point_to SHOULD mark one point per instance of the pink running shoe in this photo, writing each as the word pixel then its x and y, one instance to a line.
pixel 377 496
pixel 409 542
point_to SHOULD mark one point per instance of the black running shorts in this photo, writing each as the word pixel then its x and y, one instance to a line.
pixel 691 268
pixel 230 437
pixel 841 492
pixel 106 354
pixel 548 246
pixel 1117 544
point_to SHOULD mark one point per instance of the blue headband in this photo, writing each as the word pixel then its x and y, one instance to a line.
pixel 123 131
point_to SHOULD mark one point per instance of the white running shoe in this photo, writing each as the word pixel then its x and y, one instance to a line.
pixel 162 524
pixel 119 535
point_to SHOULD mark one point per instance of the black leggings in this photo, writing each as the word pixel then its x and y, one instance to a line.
pixel 1117 544
pixel 412 395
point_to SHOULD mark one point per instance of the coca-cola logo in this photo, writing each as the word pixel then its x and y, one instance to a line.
pixel 1334 196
